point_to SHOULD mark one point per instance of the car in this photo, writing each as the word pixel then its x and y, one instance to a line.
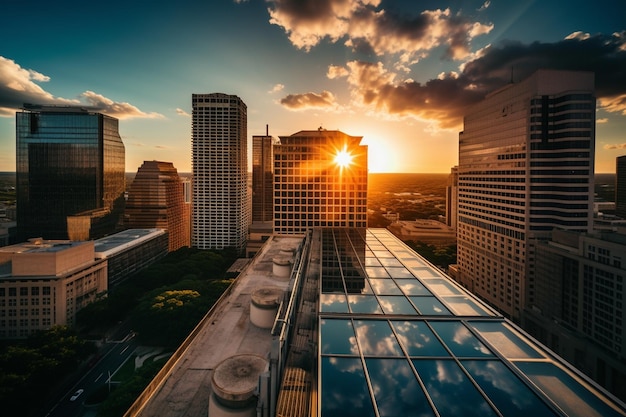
pixel 76 395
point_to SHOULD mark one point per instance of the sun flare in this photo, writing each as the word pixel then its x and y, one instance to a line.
pixel 343 158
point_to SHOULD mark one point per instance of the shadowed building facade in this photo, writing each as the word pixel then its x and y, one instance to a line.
pixel 320 180
pixel 156 200
pixel 69 160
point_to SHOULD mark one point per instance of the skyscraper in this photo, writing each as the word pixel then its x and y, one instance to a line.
pixel 620 186
pixel 156 200
pixel 69 160
pixel 262 178
pixel 452 197
pixel 526 165
pixel 320 181
pixel 220 206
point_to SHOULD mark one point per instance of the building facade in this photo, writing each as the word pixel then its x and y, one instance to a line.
pixel 156 200
pixel 526 165
pixel 45 283
pixel 452 197
pixel 69 160
pixel 320 180
pixel 620 186
pixel 578 308
pixel 220 206
pixel 262 179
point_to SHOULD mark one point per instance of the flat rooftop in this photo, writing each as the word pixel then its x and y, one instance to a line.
pixel 112 244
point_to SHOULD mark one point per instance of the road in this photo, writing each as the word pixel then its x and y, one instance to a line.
pixel 116 352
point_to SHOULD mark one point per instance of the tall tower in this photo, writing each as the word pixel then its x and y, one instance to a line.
pixel 220 205
pixel 526 166
pixel 69 160
pixel 320 181
pixel 452 197
pixel 620 186
pixel 156 200
pixel 262 178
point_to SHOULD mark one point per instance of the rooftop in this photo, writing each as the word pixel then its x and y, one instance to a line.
pixel 117 242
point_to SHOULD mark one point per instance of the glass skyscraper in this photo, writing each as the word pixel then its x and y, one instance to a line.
pixel 69 160
pixel 220 207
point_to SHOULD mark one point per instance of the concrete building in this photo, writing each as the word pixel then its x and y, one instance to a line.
pixel 361 325
pixel 320 180
pixel 156 201
pixel 220 206
pixel 431 232
pixel 578 307
pixel 130 251
pixel 44 283
pixel 69 160
pixel 526 165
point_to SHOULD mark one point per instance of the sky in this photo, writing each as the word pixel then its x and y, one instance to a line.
pixel 399 73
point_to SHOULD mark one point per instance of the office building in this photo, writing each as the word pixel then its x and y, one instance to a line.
pixel 44 283
pixel 262 179
pixel 526 165
pixel 130 251
pixel 364 326
pixel 578 307
pixel 156 200
pixel 69 160
pixel 620 186
pixel 452 197
pixel 320 180
pixel 220 205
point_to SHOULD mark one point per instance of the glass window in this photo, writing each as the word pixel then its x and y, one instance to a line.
pixel 337 337
pixel 396 390
pixel 465 306
pixel 364 304
pixel 384 286
pixel 333 303
pixel 376 338
pixel 459 339
pixel 444 381
pixel 396 304
pixel 502 338
pixel 430 306
pixel 417 339
pixel 344 390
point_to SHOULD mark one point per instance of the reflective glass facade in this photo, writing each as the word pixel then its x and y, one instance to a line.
pixel 262 178
pixel 397 337
pixel 68 161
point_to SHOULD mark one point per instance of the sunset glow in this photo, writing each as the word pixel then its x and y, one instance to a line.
pixel 343 158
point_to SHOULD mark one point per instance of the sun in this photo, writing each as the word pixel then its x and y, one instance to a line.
pixel 343 158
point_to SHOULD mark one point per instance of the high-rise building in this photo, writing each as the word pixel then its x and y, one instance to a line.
pixel 526 166
pixel 69 160
pixel 620 186
pixel 578 308
pixel 156 200
pixel 220 206
pixel 320 181
pixel 452 197
pixel 262 178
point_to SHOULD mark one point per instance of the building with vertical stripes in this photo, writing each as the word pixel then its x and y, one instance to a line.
pixel 220 205
pixel 526 166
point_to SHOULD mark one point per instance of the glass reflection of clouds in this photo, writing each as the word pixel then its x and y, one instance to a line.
pixel 399 272
pixel 444 381
pixel 364 304
pixel 384 286
pixel 442 287
pixel 465 306
pixel 376 338
pixel 507 342
pixel 390 262
pixel 413 287
pixel 376 272
pixel 512 397
pixel 430 306
pixel 459 339
pixel 417 339
pixel 396 390
pixel 394 304
pixel 337 337
pixel 344 390
pixel 333 303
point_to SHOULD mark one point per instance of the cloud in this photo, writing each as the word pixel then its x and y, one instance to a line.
pixel 485 6
pixel 378 32
pixel 322 101
pixel 602 120
pixel 615 146
pixel 443 101
pixel 19 85
pixel 182 112
pixel 277 88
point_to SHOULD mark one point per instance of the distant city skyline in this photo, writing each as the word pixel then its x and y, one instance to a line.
pixel 398 72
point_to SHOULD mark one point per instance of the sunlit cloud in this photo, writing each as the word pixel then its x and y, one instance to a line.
pixel 182 112
pixel 602 121
pixel 322 101
pixel 370 30
pixel 20 85
pixel 277 88
pixel 614 146
pixel 484 6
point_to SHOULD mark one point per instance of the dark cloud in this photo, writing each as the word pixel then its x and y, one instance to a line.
pixel 324 101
